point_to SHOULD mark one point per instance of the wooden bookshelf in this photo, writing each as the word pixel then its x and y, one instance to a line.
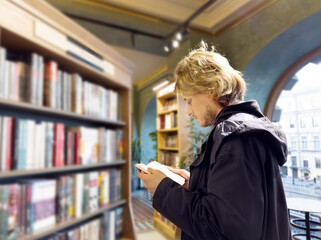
pixel 11 175
pixel 28 108
pixel 61 226
pixel 35 26
pixel 172 142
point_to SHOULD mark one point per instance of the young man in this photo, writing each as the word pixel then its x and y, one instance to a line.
pixel 234 189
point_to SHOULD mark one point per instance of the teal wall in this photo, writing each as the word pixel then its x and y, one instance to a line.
pixel 148 126
pixel 266 67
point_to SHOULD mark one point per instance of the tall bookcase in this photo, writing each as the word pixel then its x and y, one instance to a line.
pixel 172 143
pixel 35 26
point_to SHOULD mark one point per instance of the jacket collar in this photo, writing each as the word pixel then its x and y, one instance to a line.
pixel 250 107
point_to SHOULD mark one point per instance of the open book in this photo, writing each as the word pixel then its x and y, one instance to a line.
pixel 162 168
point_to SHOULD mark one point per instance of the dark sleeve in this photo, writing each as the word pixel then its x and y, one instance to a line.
pixel 232 207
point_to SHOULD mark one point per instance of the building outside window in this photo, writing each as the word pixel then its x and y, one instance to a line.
pixel 302 123
pixel 294 163
pixel 317 162
pixel 305 163
pixel 293 143
pixel 292 125
pixel 315 122
pixel 304 143
pixel 316 142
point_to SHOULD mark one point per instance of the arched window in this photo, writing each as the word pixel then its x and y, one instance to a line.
pixel 295 106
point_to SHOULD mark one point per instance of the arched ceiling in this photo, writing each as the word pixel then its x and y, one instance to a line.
pixel 138 28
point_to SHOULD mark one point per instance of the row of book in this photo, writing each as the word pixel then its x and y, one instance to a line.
pixel 167 121
pixel 28 144
pixel 108 227
pixel 169 158
pixel 28 206
pixel 170 104
pixel 171 140
pixel 29 77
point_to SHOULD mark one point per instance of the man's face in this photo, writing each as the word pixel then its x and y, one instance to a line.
pixel 203 108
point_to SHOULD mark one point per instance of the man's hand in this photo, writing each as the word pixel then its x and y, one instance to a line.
pixel 183 173
pixel 152 179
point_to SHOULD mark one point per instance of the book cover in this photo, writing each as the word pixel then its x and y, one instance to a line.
pixel 162 168
pixel 93 191
pixel 43 204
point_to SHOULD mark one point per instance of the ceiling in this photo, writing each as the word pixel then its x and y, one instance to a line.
pixel 219 15
pixel 139 29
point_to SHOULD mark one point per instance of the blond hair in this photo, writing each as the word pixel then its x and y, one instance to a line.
pixel 207 71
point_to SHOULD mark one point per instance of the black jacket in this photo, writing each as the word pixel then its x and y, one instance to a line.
pixel 235 189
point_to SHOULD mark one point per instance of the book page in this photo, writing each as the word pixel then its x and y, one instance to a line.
pixel 156 165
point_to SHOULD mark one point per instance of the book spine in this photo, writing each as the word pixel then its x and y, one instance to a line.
pixel 17 70
pixel 4 211
pixel 79 194
pixel 28 208
pixel 77 149
pixel 9 144
pixel 22 81
pixel 40 82
pixel 50 82
pixel 49 145
pixel 3 56
pixel 6 81
pixel 3 147
pixel 17 143
pixel 30 146
pixel 21 209
pixel 58 90
pixel 14 190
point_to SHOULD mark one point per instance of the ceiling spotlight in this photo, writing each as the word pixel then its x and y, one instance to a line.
pixel 178 36
pixel 185 32
pixel 175 43
pixel 166 49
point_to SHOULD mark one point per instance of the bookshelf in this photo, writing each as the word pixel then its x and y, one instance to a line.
pixel 28 27
pixel 172 143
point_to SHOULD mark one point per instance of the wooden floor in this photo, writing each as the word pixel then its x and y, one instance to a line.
pixel 143 210
pixel 143 217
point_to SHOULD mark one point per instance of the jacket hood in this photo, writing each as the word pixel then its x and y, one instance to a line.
pixel 246 118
